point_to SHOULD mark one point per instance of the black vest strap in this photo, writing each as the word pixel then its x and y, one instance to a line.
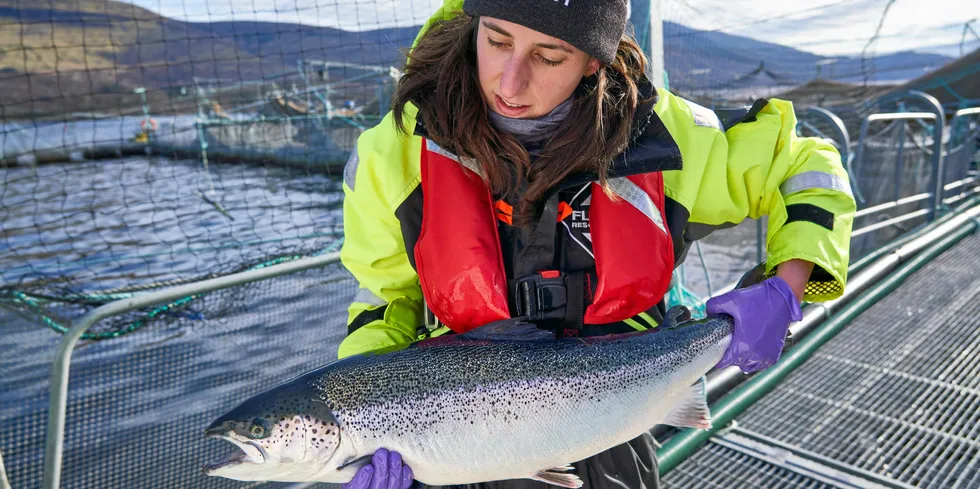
pixel 539 252
pixel 537 256
pixel 575 309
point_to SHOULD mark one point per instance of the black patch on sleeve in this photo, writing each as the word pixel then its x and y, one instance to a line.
pixel 409 215
pixel 366 317
pixel 676 217
pixel 731 117
pixel 810 213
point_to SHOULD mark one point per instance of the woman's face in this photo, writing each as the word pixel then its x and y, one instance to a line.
pixel 524 73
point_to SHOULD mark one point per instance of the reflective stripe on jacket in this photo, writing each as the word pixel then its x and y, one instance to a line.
pixel 719 168
pixel 459 260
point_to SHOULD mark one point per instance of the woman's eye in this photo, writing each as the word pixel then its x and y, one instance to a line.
pixel 495 44
pixel 548 61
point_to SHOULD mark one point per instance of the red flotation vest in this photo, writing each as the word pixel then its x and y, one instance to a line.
pixel 460 265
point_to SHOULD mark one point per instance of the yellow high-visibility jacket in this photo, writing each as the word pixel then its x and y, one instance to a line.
pixel 751 165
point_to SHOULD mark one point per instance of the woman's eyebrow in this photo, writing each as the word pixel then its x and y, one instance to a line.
pixel 500 30
pixel 559 47
pixel 496 28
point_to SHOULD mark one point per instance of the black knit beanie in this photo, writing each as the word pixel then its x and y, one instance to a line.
pixel 594 26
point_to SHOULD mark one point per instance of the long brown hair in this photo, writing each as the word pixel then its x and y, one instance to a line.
pixel 441 80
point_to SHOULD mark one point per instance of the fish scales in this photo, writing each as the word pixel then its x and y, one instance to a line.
pixel 464 410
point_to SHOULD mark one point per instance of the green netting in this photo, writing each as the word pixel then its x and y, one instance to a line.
pixel 147 147
pixel 138 405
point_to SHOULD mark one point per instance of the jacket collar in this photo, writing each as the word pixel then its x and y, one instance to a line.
pixel 651 149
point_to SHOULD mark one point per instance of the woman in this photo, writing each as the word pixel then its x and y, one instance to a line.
pixel 530 169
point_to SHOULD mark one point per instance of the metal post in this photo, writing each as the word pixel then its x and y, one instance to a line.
pixel 931 104
pixel 899 160
pixel 895 116
pixel 842 140
pixel 647 18
pixel 721 381
pixel 894 270
pixel 760 241
pixel 54 443
pixel 968 144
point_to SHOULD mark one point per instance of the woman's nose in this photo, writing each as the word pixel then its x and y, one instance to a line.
pixel 514 79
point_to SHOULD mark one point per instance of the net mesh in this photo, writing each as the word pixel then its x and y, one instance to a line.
pixel 151 143
pixel 896 392
pixel 962 156
pixel 138 404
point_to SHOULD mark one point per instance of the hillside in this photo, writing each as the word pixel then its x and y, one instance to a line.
pixel 728 57
pixel 62 56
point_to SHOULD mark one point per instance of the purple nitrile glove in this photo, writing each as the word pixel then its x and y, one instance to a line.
pixel 386 471
pixel 762 313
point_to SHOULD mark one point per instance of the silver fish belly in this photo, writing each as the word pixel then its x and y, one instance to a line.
pixel 468 408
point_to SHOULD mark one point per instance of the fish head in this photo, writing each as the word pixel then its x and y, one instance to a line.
pixel 284 434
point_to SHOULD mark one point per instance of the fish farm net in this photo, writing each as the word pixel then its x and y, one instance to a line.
pixel 138 404
pixel 146 144
pixel 895 394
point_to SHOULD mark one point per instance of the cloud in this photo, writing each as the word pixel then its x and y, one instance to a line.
pixel 828 27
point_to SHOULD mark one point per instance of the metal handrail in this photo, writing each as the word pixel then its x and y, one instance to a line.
pixel 841 140
pixel 960 146
pixel 933 106
pixel 960 115
pixel 844 145
pixel 820 323
pixel 902 116
pixel 54 442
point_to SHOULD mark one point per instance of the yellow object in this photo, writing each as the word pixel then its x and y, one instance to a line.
pixel 756 167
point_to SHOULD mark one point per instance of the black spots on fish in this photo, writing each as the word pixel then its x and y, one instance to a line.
pixel 419 390
pixel 314 431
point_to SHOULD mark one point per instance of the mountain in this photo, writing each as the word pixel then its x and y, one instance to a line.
pixel 713 60
pixel 59 56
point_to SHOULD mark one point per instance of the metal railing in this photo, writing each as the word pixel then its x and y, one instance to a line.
pixel 962 147
pixel 814 122
pixel 898 199
pixel 54 443
pixel 932 105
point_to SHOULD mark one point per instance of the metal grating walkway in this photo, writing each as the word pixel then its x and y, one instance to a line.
pixel 895 396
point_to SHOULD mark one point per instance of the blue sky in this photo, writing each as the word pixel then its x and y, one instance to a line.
pixel 828 27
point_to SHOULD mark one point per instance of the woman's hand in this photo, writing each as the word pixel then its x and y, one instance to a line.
pixel 386 471
pixel 762 313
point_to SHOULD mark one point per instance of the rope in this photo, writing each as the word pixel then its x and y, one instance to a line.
pixel 32 301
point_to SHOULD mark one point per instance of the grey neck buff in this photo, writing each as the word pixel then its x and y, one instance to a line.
pixel 528 131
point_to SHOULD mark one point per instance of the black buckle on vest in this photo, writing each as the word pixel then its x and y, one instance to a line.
pixel 542 295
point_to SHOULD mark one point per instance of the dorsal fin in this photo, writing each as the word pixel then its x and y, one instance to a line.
pixel 508 329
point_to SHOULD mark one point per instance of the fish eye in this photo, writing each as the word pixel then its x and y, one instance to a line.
pixel 257 429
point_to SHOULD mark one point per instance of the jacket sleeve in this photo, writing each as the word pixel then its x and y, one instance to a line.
pixel 760 167
pixel 381 172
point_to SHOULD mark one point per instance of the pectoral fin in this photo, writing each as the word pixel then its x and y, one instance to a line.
pixel 692 411
pixel 558 476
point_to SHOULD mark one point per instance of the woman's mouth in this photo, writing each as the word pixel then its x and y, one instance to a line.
pixel 508 109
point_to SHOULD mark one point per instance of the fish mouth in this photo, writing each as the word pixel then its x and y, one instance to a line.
pixel 245 452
